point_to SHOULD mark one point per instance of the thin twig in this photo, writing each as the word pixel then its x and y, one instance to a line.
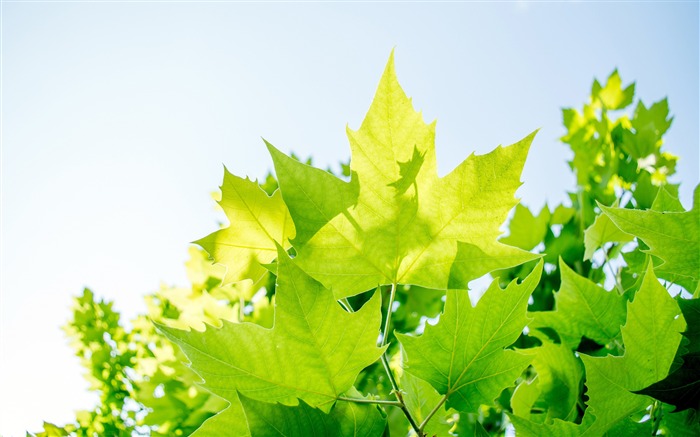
pixel 387 321
pixel 370 401
pixel 385 362
pixel 618 285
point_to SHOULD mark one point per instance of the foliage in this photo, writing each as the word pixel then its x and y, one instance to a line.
pixel 340 305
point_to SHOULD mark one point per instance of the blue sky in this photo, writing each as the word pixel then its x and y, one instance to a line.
pixel 117 118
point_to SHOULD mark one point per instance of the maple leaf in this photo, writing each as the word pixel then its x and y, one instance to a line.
pixel 258 223
pixel 313 352
pixel 671 236
pixel 421 398
pixel 557 384
pixel 651 337
pixel 612 95
pixel 396 221
pixel 464 355
pixel 250 418
pixel 681 387
pixel 602 231
pixel 526 230
pixel 582 308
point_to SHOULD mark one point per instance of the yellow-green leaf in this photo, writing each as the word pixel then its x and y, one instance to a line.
pixel 396 221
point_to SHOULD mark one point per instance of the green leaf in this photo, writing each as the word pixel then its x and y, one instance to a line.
pixel 654 118
pixel 525 397
pixel 251 418
pixel 345 419
pixel 558 428
pixel 396 221
pixel 258 223
pixel 420 398
pixel 582 309
pixel 464 355
pixel 526 230
pixel 612 95
pixel 229 421
pixel 602 231
pixel 671 236
pixel 682 424
pixel 681 387
pixel 651 337
pixel 666 200
pixel 559 375
pixel 314 351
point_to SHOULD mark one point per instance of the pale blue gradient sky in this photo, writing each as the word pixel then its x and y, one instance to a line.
pixel 117 119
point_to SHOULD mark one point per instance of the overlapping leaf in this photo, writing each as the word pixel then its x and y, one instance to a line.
pixel 671 236
pixel 396 221
pixel 258 223
pixel 602 231
pixel 526 230
pixel 250 418
pixel 651 336
pixel 681 387
pixel 555 390
pixel 464 355
pixel 314 351
pixel 421 398
pixel 582 309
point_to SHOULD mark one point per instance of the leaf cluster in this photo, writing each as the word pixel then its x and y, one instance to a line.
pixel 341 305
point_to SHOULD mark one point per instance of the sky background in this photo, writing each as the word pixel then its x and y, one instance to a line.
pixel 118 118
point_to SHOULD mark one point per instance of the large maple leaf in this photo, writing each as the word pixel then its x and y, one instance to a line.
pixel 396 221
pixel 314 351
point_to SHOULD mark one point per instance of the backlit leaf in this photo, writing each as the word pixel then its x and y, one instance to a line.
pixel 314 351
pixel 396 221
pixel 464 355
pixel 671 236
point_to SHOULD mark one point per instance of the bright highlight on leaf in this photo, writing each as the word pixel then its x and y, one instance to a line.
pixel 396 221
pixel 258 223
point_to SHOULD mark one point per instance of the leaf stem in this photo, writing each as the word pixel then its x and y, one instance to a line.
pixel 390 374
pixel 385 362
pixel 399 396
pixel 370 401
pixel 432 413
pixel 387 320
pixel 614 274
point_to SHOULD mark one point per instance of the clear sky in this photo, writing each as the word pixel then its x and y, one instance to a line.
pixel 117 118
